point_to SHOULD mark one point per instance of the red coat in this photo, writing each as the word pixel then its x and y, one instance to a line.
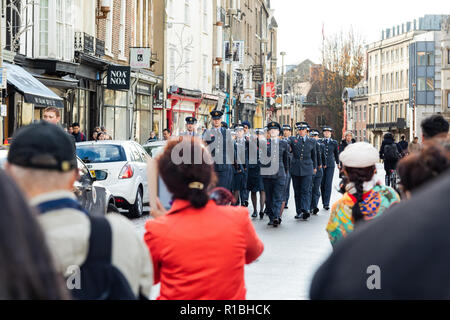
pixel 199 254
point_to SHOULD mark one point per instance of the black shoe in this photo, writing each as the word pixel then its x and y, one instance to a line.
pixel 271 223
pixel 276 223
pixel 245 204
pixel 298 216
pixel 279 220
pixel 255 214
pixel 286 207
pixel 305 215
pixel 326 208
pixel 315 211
pixel 261 215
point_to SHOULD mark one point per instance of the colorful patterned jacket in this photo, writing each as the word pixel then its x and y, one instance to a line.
pixel 375 202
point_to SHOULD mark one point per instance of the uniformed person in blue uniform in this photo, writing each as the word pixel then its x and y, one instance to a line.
pixel 247 134
pixel 287 133
pixel 331 160
pixel 190 127
pixel 222 166
pixel 317 178
pixel 254 180
pixel 241 165
pixel 274 174
pixel 303 167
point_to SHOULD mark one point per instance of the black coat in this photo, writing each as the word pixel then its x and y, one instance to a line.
pixel 389 164
pixel 409 243
pixel 223 148
pixel 344 145
pixel 331 153
pixel 277 150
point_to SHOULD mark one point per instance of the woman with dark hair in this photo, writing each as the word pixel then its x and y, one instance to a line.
pixel 364 198
pixel 419 168
pixel 26 267
pixel 198 248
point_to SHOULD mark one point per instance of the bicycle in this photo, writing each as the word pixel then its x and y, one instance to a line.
pixel 393 180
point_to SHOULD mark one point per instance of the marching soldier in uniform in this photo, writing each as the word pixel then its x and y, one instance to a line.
pixel 317 178
pixel 254 180
pixel 287 132
pixel 240 167
pixel 331 160
pixel 247 135
pixel 274 174
pixel 303 167
pixel 190 127
pixel 222 167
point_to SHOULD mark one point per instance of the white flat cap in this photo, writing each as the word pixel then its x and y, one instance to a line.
pixel 359 155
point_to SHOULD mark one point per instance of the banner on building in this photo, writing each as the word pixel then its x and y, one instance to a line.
pixel 257 73
pixel 237 54
pixel 3 110
pixel 248 96
pixel 2 78
pixel 118 78
pixel 140 58
pixel 270 90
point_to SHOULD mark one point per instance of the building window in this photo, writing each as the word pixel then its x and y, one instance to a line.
pixel 43 28
pixel 64 29
pixel 448 99
pixel 401 80
pixel 448 56
pixel 392 119
pixel 425 84
pixel 391 87
pixel 396 80
pixel 430 84
pixel 376 84
pixel 382 114
pixel 123 14
pixel 383 84
pixel 425 59
pixel 365 113
pixel 108 33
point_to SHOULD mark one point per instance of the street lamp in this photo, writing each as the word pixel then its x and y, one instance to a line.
pixel 282 85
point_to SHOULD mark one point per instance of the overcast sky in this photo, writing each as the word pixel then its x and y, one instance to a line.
pixel 300 21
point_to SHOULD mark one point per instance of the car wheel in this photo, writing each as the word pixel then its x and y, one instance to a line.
pixel 136 210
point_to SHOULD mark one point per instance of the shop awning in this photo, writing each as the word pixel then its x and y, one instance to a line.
pixel 32 89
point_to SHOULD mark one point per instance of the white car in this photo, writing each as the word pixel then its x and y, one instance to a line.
pixel 154 148
pixel 126 165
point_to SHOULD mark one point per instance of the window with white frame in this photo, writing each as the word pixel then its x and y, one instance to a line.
pixel 64 29
pixel 43 28
pixel 108 33
pixel 448 99
pixel 123 14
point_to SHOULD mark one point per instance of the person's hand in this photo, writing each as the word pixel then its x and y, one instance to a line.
pixel 315 171
pixel 324 167
pixel 320 167
pixel 159 210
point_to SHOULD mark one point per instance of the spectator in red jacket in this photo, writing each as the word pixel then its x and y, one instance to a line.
pixel 198 248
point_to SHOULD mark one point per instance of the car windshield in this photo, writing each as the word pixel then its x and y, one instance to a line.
pixel 152 149
pixel 101 153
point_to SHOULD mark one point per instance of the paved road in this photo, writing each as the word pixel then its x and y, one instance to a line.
pixel 292 253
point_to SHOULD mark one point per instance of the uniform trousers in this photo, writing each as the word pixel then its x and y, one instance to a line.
pixel 302 191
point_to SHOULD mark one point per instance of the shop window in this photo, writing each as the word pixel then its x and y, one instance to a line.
pixel 425 59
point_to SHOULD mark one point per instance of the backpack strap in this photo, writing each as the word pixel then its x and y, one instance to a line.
pixel 100 241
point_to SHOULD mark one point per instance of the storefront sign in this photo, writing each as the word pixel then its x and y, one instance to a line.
pixel 143 88
pixel 2 78
pixel 248 96
pixel 118 78
pixel 257 73
pixel 99 47
pixel 270 90
pixel 84 43
pixel 3 111
pixel 140 58
pixel 237 54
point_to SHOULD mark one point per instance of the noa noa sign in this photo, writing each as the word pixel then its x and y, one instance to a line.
pixel 118 77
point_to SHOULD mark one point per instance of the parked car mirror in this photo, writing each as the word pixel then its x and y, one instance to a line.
pixel 101 175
